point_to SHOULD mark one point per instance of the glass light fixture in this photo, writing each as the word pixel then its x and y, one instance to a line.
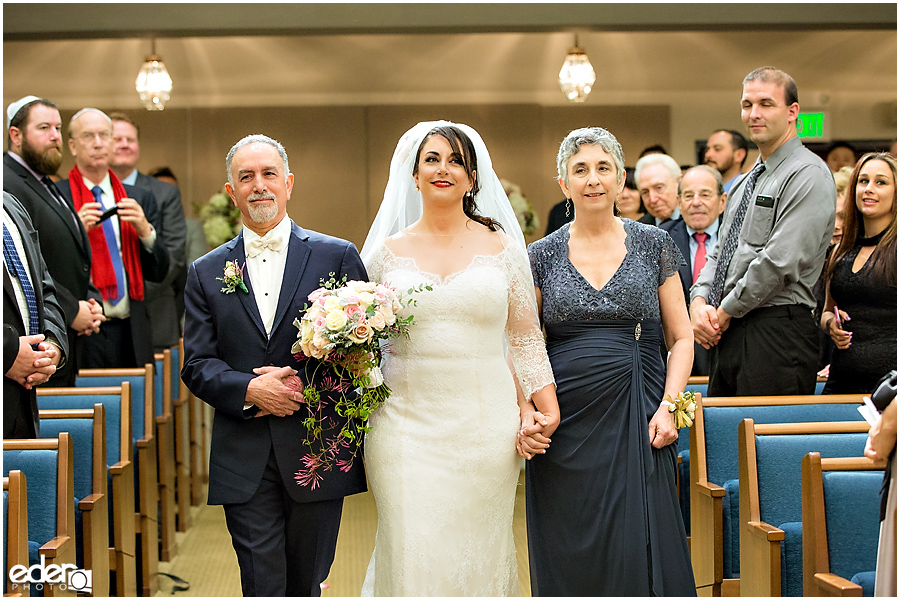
pixel 576 75
pixel 153 83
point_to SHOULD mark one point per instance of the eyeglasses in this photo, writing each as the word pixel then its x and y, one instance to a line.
pixel 704 195
pixel 88 136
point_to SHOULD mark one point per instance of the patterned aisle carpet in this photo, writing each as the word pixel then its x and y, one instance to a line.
pixel 207 561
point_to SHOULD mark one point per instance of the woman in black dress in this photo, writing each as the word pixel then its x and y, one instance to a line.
pixel 860 311
pixel 601 507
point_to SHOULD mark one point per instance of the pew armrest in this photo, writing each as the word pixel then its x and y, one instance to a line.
pixel 119 467
pixel 710 489
pixel 88 502
pixel 57 546
pixel 764 531
pixel 829 584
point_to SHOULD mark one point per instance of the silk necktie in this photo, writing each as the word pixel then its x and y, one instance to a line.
pixel 115 253
pixel 51 188
pixel 700 255
pixel 731 239
pixel 272 242
pixel 18 271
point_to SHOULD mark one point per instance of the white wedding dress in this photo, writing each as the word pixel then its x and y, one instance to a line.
pixel 441 456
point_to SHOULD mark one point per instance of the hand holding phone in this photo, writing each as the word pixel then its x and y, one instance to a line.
pixel 108 213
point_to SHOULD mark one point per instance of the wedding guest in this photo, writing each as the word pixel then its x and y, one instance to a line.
pixel 630 205
pixel 237 351
pixel 162 298
pixel 860 312
pixel 881 447
pixel 34 327
pixel 125 253
pixel 35 153
pixel 601 505
pixel 726 151
pixel 840 154
pixel 657 176
pixel 441 451
pixel 753 301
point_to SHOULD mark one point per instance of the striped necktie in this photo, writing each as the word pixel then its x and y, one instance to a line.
pixel 18 271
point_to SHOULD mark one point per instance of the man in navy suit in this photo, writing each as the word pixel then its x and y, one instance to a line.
pixel 34 326
pixel 237 347
pixel 701 201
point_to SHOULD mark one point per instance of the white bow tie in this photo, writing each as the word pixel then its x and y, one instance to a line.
pixel 274 243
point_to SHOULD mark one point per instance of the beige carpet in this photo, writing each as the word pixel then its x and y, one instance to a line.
pixel 207 561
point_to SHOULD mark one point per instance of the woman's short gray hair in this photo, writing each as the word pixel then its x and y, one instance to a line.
pixel 591 136
pixel 252 139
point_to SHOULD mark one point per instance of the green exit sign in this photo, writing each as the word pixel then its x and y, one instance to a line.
pixel 811 125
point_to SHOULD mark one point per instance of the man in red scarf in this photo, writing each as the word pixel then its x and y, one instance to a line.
pixel 124 248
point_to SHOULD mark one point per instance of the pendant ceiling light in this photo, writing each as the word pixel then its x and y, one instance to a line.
pixel 153 83
pixel 576 75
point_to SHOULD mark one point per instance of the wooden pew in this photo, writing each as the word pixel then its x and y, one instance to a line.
pixel 714 475
pixel 840 524
pixel 116 402
pixel 199 429
pixel 181 414
pixel 770 458
pixel 48 465
pixel 165 445
pixel 88 430
pixel 15 526
pixel 145 460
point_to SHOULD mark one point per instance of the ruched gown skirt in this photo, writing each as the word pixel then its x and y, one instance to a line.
pixel 601 504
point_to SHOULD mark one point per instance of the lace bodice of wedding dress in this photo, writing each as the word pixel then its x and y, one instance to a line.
pixel 440 455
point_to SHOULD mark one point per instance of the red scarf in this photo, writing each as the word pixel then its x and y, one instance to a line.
pixel 102 273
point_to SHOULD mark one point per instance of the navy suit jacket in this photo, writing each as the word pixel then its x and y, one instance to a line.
pixel 225 339
pixel 679 233
pixel 20 414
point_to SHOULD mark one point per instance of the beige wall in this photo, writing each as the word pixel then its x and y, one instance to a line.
pixel 341 156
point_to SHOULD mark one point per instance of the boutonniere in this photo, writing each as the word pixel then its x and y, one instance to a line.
pixel 233 278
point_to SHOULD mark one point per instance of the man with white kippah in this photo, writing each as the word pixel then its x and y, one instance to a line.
pixel 35 153
pixel 121 223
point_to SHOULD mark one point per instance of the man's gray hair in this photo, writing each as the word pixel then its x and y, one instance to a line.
pixel 591 136
pixel 254 139
pixel 720 186
pixel 656 159
pixel 87 110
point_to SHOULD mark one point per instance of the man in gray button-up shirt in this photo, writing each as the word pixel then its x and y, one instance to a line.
pixel 762 331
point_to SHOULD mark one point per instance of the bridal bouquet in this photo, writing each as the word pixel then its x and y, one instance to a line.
pixel 342 330
pixel 683 406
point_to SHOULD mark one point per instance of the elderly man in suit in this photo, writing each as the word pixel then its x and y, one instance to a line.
pixel 701 201
pixel 160 297
pixel 657 176
pixel 35 153
pixel 237 350
pixel 34 329
pixel 121 222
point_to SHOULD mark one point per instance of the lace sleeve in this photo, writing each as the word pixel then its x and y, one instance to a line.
pixel 523 330
pixel 670 258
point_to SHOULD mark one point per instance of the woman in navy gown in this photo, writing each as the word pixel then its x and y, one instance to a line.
pixel 602 510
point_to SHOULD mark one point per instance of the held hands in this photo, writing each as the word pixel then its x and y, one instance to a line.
pixel 270 394
pixel 705 322
pixel 34 367
pixel 534 435
pixel 89 317
pixel 662 428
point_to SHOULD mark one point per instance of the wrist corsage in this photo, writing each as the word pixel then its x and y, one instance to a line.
pixel 683 407
pixel 233 278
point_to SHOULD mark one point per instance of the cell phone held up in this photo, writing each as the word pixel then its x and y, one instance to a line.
pixel 108 213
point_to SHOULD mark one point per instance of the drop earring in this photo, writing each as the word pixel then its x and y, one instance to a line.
pixel 568 207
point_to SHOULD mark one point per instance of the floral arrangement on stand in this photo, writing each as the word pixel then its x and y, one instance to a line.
pixel 528 219
pixel 683 406
pixel 342 330
pixel 221 219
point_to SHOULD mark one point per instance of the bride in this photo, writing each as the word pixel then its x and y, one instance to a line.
pixel 441 454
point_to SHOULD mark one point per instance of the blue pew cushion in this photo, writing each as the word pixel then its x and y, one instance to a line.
pixel 852 504
pixel 865 580
pixel 792 559
pixel 731 538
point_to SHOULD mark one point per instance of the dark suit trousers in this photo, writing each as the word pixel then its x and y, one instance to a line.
pixel 284 548
pixel 771 351
pixel 111 348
